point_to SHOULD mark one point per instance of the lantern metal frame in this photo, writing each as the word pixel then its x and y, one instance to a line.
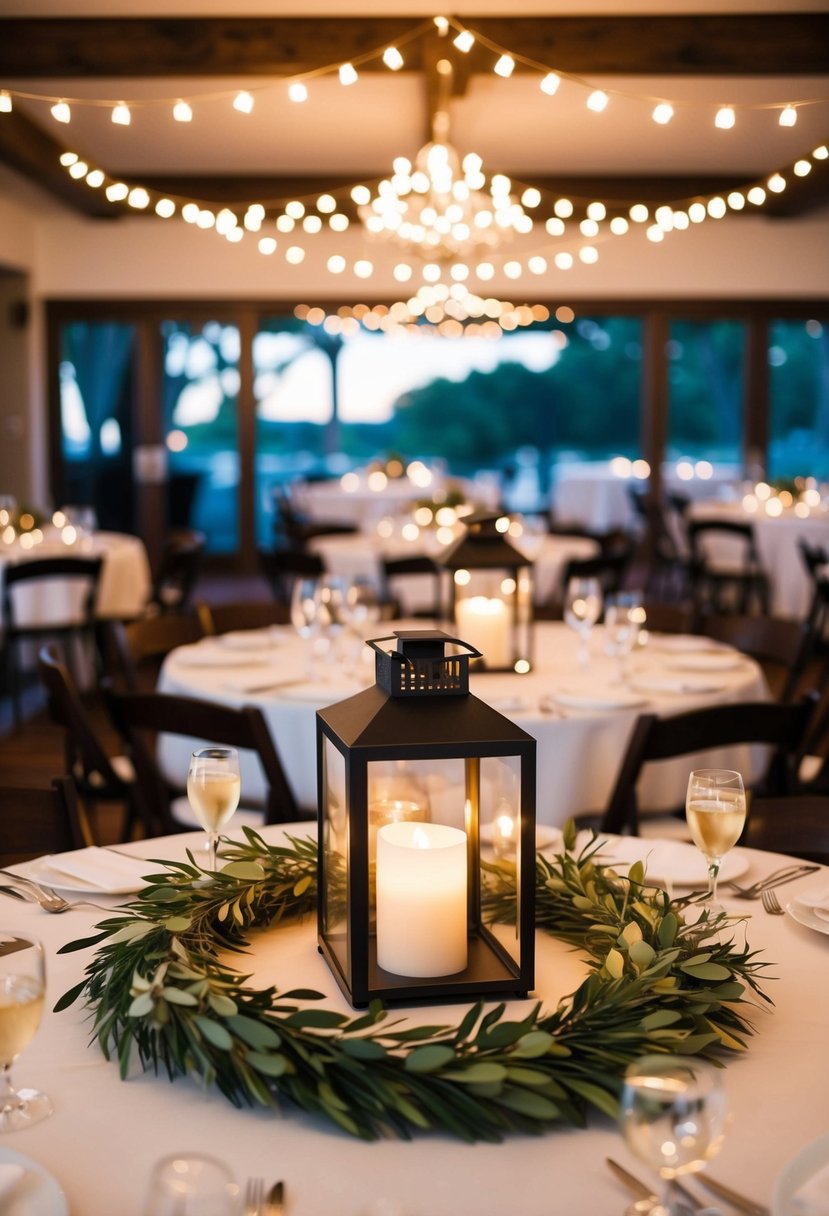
pixel 420 709
pixel 484 547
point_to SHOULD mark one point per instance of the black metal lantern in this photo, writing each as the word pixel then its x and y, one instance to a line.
pixel 416 779
pixel 491 597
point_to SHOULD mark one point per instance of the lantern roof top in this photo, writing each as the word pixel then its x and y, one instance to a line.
pixel 483 546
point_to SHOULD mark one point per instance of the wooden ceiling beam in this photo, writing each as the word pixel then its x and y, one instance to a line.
pixel 684 45
pixel 28 149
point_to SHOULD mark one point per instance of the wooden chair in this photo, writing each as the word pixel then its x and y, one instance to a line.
pixel 610 568
pixel 782 647
pixel 294 528
pixel 282 567
pixel 133 651
pixel 737 583
pixel 142 716
pixel 816 561
pixel 222 618
pixel 798 825
pixel 75 628
pixel 667 568
pixel 37 821
pixel 782 726
pixel 98 776
pixel 178 570
pixel 417 566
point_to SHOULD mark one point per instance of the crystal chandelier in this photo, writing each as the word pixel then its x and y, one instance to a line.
pixel 442 208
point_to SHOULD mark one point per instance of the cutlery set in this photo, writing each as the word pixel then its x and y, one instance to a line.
pixel 24 888
pixel 691 1205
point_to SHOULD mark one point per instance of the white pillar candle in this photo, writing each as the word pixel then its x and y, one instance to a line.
pixel 391 810
pixel 484 623
pixel 421 899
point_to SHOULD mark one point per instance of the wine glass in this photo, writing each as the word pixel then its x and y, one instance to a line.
pixel 673 1114
pixel 582 608
pixel 213 788
pixel 22 992
pixel 359 609
pixel 715 808
pixel 190 1184
pixel 305 616
pixel 624 617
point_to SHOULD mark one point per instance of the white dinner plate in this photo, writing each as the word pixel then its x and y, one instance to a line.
pixel 715 660
pixel 249 639
pixel 673 860
pixel 608 698
pixel 91 871
pixel 802 1172
pixel 681 643
pixel 36 1194
pixel 212 655
pixel 679 685
pixel 806 915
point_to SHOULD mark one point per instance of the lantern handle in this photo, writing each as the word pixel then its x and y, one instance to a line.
pixel 394 654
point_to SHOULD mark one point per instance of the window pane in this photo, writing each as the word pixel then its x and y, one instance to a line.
pixel 200 403
pixel 799 399
pixel 96 388
pixel 705 362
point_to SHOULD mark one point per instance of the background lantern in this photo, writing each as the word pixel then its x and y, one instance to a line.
pixel 416 778
pixel 491 596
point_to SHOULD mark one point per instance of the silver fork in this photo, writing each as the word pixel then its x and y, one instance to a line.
pixel 776 878
pixel 254 1195
pixel 772 904
pixel 50 901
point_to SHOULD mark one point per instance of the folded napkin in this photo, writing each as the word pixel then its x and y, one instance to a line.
pixel 95 869
pixel 812 1198
pixel 10 1175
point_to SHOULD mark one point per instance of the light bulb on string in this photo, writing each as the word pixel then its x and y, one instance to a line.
pixel 243 102
pixel 788 116
pixel 5 101
pixel 121 114
pixel 61 112
pixel 392 58
pixel 662 113
pixel 182 111
pixel 348 74
pixel 725 118
pixel 549 83
pixel 464 41
pixel 297 91
pixel 504 67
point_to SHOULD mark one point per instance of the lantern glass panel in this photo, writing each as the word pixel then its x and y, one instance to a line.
pixel 335 845
pixel 500 831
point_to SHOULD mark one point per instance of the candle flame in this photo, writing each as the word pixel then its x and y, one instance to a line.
pixel 506 826
pixel 419 839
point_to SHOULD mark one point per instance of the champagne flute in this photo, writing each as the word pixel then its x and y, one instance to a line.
pixel 213 788
pixel 582 608
pixel 22 992
pixel 305 616
pixel 190 1184
pixel 715 808
pixel 673 1113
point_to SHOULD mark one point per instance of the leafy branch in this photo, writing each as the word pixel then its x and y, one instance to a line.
pixel 157 987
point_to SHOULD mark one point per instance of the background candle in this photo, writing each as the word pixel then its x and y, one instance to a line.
pixel 421 899
pixel 484 623
pixel 391 810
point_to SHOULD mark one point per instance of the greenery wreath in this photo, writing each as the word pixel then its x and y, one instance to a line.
pixel 657 982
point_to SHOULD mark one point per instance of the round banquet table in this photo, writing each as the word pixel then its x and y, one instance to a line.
pixel 777 539
pixel 581 718
pixel 361 556
pixel 105 1134
pixel 123 588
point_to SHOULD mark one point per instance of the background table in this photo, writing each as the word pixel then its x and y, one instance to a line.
pixel 777 542
pixel 105 1134
pixel 122 591
pixel 579 750
pixel 361 556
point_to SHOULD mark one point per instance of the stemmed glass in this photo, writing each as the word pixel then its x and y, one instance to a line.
pixel 715 808
pixel 305 616
pixel 22 992
pixel 582 608
pixel 190 1184
pixel 673 1114
pixel 213 789
pixel 624 617
pixel 360 607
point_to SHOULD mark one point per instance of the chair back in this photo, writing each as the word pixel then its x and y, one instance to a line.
pixel 782 646
pixel 179 568
pixel 222 618
pixel 610 568
pixel 142 716
pixel 282 567
pixel 796 825
pixel 87 760
pixel 782 726
pixel 133 651
pixel 417 566
pixel 37 821
pixel 77 612
pixel 726 569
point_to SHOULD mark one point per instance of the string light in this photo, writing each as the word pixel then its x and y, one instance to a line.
pixel 348 74
pixel 788 117
pixel 505 66
pixel 392 58
pixel 121 115
pixel 725 118
pixel 597 101
pixel 5 101
pixel 464 41
pixel 663 113
pixel 61 112
pixel 183 111
pixel 549 84
pixel 297 91
pixel 243 102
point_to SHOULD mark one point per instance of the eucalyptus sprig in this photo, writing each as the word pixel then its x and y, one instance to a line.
pixel 159 988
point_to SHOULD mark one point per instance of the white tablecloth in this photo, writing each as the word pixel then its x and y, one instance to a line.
pixel 123 589
pixel 777 542
pixel 579 749
pixel 105 1134
pixel 360 556
pixel 591 493
pixel 364 507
